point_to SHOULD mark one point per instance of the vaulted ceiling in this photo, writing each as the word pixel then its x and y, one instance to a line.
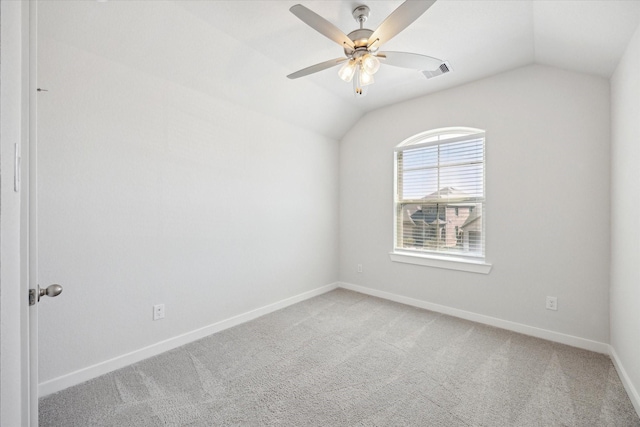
pixel 242 50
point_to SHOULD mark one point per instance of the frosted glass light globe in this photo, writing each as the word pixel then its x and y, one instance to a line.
pixel 370 63
pixel 348 70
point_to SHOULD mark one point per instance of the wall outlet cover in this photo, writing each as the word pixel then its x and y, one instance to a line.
pixel 158 311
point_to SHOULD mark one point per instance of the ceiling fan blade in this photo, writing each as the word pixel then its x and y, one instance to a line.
pixel 409 60
pixel 315 68
pixel 399 19
pixel 322 26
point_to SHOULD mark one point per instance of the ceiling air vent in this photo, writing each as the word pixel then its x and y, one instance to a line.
pixel 445 67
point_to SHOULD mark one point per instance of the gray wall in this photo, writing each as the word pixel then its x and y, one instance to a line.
pixel 151 191
pixel 625 213
pixel 547 186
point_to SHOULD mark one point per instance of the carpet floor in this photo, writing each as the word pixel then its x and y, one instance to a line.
pixel 347 359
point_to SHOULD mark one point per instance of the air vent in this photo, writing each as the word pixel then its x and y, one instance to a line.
pixel 445 67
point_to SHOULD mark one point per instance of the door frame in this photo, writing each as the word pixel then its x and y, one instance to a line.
pixel 31 217
pixel 17 402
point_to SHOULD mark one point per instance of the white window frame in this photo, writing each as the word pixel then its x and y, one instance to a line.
pixel 460 262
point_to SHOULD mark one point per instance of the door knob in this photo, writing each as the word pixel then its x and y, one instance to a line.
pixel 50 291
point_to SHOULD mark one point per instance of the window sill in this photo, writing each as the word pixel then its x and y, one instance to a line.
pixel 450 263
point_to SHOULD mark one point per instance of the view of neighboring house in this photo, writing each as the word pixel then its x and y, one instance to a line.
pixel 443 223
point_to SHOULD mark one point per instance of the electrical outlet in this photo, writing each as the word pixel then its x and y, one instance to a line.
pixel 158 311
pixel 552 303
pixel 359 268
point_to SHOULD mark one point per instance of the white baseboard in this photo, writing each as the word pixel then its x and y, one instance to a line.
pixel 558 337
pixel 626 381
pixel 60 383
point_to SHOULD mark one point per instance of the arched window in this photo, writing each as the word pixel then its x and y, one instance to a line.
pixel 440 186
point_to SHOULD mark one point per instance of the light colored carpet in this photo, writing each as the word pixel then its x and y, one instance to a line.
pixel 346 359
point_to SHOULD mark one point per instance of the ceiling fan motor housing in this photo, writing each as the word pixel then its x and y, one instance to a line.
pixel 360 37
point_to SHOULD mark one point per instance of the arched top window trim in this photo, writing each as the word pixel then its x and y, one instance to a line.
pixel 438 136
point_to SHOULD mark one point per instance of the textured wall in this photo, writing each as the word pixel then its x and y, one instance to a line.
pixel 547 186
pixel 625 212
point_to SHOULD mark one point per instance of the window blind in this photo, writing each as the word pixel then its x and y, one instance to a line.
pixel 440 194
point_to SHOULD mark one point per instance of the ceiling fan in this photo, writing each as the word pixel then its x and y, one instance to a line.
pixel 361 47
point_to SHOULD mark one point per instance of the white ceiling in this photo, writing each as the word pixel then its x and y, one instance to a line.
pixel 242 50
pixel 478 38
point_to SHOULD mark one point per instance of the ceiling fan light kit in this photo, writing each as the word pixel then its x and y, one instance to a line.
pixel 361 45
